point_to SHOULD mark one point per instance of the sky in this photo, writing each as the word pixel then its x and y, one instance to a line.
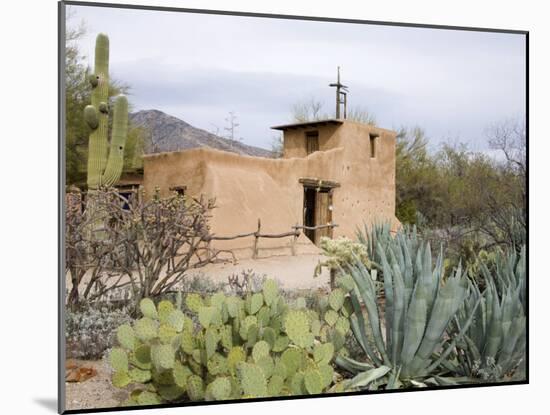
pixel 454 84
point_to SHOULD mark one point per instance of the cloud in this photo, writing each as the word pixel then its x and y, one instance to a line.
pixel 199 67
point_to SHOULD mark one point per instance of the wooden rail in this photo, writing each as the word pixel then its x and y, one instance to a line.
pixel 312 228
pixel 295 233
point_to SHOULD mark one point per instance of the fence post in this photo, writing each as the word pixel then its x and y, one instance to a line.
pixel 294 238
pixel 208 252
pixel 256 237
pixel 332 279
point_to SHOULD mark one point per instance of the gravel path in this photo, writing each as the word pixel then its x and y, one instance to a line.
pixel 96 392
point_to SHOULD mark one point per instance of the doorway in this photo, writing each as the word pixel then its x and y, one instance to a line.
pixel 317 211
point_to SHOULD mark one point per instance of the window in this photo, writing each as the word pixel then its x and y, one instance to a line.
pixel 127 194
pixel 373 144
pixel 312 142
pixel 180 190
pixel 127 198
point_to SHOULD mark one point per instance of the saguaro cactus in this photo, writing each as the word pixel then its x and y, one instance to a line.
pixel 104 164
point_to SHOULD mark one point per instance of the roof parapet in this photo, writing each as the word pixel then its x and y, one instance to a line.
pixel 308 124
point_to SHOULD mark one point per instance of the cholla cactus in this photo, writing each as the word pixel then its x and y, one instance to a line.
pixel 104 164
pixel 341 251
pixel 242 348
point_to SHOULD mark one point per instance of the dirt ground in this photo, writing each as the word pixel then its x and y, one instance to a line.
pixel 96 392
pixel 292 272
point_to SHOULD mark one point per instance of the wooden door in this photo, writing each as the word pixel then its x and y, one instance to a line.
pixel 317 211
pixel 322 215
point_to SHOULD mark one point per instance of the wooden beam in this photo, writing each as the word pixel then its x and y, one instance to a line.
pixel 314 182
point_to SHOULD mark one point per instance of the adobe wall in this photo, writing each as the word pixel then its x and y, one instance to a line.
pixel 367 193
pixel 294 140
pixel 247 188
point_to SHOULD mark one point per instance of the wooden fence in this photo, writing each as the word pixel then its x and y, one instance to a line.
pixel 295 233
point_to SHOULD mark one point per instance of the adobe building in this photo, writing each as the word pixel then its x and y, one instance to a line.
pixel 333 172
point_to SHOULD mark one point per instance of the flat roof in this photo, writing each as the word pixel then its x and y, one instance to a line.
pixel 307 124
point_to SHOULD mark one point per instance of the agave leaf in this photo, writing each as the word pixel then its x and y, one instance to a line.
pixel 517 332
pixel 417 383
pixel 388 292
pixel 442 313
pixel 368 294
pixel 394 382
pixel 452 345
pixel 476 354
pixel 398 317
pixel 494 335
pixel 450 380
pixel 364 378
pixel 415 323
pixel 408 275
pixel 351 365
pixel 357 321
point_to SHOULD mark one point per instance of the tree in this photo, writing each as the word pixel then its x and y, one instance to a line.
pixel 362 115
pixel 308 110
pixel 277 145
pixel 469 201
pixel 146 245
pixel 510 137
pixel 311 109
pixel 417 178
pixel 232 124
pixel 507 213
pixel 76 98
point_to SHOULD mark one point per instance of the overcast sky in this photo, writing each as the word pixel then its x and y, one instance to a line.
pixel 199 67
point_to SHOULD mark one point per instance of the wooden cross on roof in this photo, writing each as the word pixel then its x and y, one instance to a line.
pixel 341 96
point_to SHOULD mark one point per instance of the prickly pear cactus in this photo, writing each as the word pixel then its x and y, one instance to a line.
pixel 249 347
pixel 105 161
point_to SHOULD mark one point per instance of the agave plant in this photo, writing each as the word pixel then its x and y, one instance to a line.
pixel 493 347
pixel 380 235
pixel 419 307
pixel 510 271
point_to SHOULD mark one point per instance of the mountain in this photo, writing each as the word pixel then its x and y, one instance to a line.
pixel 168 133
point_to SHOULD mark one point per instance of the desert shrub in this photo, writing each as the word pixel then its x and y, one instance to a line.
pixel 244 282
pixel 406 212
pixel 90 332
pixel 146 245
pixel 200 283
pixel 255 346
